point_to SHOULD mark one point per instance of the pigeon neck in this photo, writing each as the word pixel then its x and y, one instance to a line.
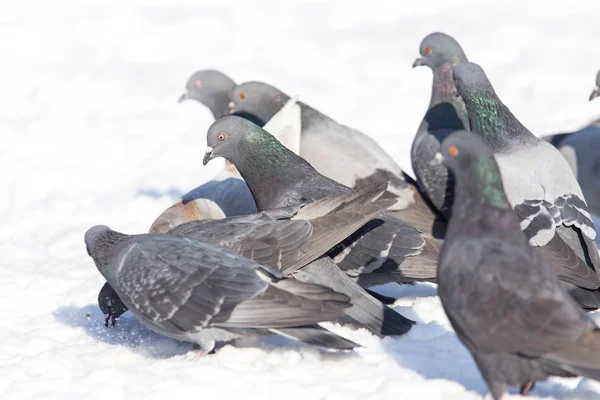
pixel 219 104
pixel 494 122
pixel 480 198
pixel 446 110
pixel 269 168
pixel 103 246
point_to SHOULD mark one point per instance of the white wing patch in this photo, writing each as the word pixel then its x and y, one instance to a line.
pixel 286 125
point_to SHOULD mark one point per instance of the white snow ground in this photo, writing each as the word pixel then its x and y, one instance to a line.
pixel 91 133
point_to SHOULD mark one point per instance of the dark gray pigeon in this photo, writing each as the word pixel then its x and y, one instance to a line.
pixel 339 152
pixel 505 304
pixel 581 149
pixel 211 88
pixel 539 185
pixel 196 292
pixel 111 305
pixel 446 113
pixel 285 238
pixel 386 249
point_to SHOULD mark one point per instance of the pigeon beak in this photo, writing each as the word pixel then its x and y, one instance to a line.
pixel 595 93
pixel 183 97
pixel 208 155
pixel 418 62
pixel 436 160
pixel 230 107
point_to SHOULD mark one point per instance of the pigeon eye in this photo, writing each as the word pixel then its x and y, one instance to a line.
pixel 453 151
pixel 243 96
pixel 427 50
pixel 221 136
pixel 197 83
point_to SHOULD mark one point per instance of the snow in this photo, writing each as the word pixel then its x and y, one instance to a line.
pixel 91 133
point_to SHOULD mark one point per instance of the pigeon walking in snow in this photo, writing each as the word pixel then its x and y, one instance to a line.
pixel 286 238
pixel 196 292
pixel 446 113
pixel 337 151
pixel 386 249
pixel 506 306
pixel 581 149
pixel 539 185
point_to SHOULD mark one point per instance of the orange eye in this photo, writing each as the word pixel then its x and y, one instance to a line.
pixel 243 96
pixel 197 83
pixel 427 50
pixel 221 136
pixel 453 151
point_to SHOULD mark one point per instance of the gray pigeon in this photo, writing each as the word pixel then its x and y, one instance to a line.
pixel 539 185
pixel 196 292
pixel 211 88
pixel 289 236
pixel 337 151
pixel 581 149
pixel 446 113
pixel 505 304
pixel 111 305
pixel 386 249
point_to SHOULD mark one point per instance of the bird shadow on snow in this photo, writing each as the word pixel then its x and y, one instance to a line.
pixel 133 335
pixel 173 193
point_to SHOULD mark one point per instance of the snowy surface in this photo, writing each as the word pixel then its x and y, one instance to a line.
pixel 91 132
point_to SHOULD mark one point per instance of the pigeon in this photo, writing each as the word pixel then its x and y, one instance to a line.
pixel 111 305
pixel 210 88
pixel 446 113
pixel 581 149
pixel 337 151
pixel 539 185
pixel 386 249
pixel 196 292
pixel 503 301
pixel 289 236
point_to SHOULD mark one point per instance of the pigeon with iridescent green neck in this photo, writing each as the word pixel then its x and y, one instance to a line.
pixel 386 249
pixel 539 185
pixel 337 151
pixel 446 113
pixel 504 303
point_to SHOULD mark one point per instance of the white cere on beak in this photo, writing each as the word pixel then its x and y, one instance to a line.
pixel 437 159
pixel 209 150
pixel 231 105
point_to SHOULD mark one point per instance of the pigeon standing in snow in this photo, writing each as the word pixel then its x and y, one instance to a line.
pixel 200 293
pixel 386 249
pixel 446 113
pixel 285 238
pixel 505 304
pixel 337 151
pixel 582 149
pixel 539 185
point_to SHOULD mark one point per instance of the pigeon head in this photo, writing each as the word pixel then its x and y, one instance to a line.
pixel 438 49
pixel 100 242
pixel 211 88
pixel 229 136
pixel 474 166
pixel 257 102
pixel 111 305
pixel 471 81
pixel 596 91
